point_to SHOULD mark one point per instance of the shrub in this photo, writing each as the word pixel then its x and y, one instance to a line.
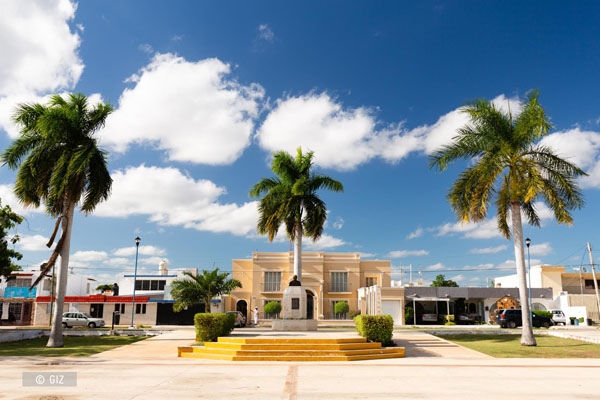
pixel 376 328
pixel 543 313
pixel 341 307
pixel 409 315
pixel 210 326
pixel 581 320
pixel 354 314
pixel 450 323
pixel 272 308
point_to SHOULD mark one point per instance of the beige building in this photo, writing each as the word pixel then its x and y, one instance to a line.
pixel 327 278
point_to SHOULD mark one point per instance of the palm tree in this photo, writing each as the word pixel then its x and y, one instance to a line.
pixel 290 198
pixel 190 291
pixel 509 164
pixel 59 164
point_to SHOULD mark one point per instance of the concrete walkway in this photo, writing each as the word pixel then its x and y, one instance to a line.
pixel 432 369
pixel 585 334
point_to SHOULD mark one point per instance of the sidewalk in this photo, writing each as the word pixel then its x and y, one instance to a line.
pixel 585 334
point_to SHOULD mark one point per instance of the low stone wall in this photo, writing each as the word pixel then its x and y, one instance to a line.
pixel 14 335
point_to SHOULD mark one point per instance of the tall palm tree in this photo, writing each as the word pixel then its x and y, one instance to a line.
pixel 290 198
pixel 190 291
pixel 59 164
pixel 508 163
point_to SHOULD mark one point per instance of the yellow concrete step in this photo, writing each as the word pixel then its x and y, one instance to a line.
pixel 304 353
pixel 208 356
pixel 290 340
pixel 297 346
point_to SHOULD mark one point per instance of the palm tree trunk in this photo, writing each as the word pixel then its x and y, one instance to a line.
pixel 56 337
pixel 527 338
pixel 207 305
pixel 298 251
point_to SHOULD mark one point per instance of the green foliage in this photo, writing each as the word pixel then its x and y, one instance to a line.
pixel 104 287
pixel 581 320
pixel 376 328
pixel 409 315
pixel 210 326
pixel 543 313
pixel 8 220
pixel 192 289
pixel 291 198
pixel 341 307
pixel 273 308
pixel 57 157
pixel 508 163
pixel 441 281
pixel 450 323
pixel 354 314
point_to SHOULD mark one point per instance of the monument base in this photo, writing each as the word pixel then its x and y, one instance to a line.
pixel 294 325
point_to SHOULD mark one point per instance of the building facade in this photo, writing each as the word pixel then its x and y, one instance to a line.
pixel 573 292
pixel 327 277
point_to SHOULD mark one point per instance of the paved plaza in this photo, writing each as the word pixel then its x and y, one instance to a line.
pixel 433 369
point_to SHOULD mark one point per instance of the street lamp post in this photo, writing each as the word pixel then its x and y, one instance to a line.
pixel 528 242
pixel 137 247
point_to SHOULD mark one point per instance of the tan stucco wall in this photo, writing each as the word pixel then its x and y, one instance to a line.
pixel 316 276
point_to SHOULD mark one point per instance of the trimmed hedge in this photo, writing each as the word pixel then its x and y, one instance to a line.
pixel 210 326
pixel 376 328
pixel 272 307
pixel 341 307
pixel 543 313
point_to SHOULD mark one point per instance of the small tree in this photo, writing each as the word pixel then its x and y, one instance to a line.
pixel 409 315
pixel 441 281
pixel 104 287
pixel 341 309
pixel 193 289
pixel 272 309
pixel 8 220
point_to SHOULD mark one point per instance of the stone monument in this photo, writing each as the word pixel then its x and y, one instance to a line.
pixel 294 310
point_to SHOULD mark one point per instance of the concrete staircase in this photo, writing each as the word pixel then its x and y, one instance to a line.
pixel 290 349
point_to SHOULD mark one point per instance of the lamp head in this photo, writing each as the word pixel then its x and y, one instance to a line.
pixel 527 242
pixel 137 241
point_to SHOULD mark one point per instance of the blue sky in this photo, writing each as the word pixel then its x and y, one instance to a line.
pixel 205 91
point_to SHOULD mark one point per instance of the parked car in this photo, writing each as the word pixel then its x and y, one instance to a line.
pixel 512 319
pixel 240 320
pixel 558 317
pixel 465 318
pixel 429 317
pixel 71 319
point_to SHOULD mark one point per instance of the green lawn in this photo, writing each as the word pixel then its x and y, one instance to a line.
pixel 509 346
pixel 74 346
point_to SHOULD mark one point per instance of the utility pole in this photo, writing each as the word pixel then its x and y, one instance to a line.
pixel 594 276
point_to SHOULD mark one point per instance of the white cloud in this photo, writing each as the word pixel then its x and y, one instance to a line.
pixel 405 253
pixel 146 48
pixel 483 230
pixel 581 147
pixel 340 138
pixel 489 250
pixel 367 255
pixel 339 223
pixel 266 33
pixel 457 278
pixel 436 267
pixel 192 110
pixel 323 243
pixel 169 197
pixel 33 243
pixel 87 256
pixel 143 250
pixel 152 260
pixel 541 249
pixel 417 233
pixel 39 53
pixel 8 198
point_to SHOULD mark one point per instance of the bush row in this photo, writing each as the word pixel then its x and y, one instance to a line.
pixel 543 313
pixel 376 328
pixel 210 326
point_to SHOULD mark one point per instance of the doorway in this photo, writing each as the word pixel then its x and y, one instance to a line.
pixel 242 306
pixel 310 305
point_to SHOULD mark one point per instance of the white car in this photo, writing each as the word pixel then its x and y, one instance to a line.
pixel 71 319
pixel 558 317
